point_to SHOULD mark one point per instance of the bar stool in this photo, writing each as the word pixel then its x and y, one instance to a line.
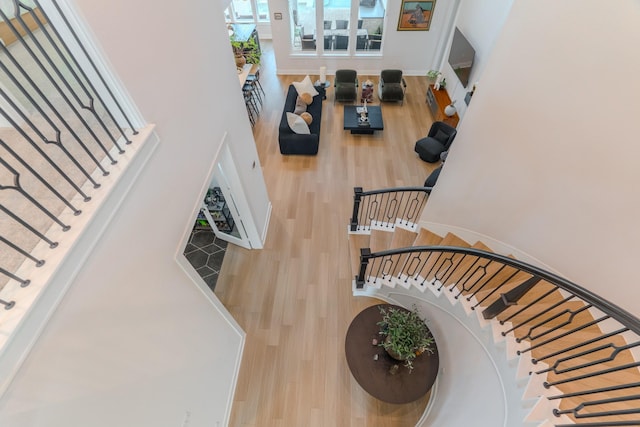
pixel 250 108
pixel 250 101
pixel 255 80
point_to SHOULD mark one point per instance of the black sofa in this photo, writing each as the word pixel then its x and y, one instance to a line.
pixel 293 143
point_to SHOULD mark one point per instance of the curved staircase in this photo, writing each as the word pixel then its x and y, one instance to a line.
pixel 573 356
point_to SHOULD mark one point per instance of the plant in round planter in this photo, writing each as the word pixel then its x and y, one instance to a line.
pixel 406 336
pixel 245 51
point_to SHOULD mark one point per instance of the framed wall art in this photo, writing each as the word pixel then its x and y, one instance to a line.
pixel 415 15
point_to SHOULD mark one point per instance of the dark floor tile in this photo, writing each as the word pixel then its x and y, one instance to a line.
pixel 197 258
pixel 205 253
pixel 211 281
pixel 221 243
pixel 205 271
pixel 202 238
pixel 215 260
pixel 211 249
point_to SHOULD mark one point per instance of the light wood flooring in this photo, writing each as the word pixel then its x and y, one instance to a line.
pixel 293 298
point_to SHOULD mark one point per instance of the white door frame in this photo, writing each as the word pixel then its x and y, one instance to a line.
pixel 234 194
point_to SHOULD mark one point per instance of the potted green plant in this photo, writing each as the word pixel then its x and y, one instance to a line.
pixel 406 336
pixel 245 51
pixel 433 75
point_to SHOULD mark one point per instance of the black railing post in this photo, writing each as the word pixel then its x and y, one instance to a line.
pixel 365 255
pixel 357 197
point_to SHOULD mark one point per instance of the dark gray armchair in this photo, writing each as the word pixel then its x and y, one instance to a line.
pixel 345 86
pixel 392 86
pixel 439 139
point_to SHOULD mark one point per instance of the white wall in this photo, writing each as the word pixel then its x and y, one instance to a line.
pixel 481 22
pixel 136 341
pixel 415 52
pixel 546 159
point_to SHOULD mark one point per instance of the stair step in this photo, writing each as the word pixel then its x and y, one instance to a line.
pixel 402 238
pixel 427 238
pixel 380 240
pixel 453 240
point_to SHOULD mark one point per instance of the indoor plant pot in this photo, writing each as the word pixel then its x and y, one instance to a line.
pixel 406 336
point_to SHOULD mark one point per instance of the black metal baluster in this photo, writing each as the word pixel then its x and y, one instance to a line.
pixel 573 347
pixel 537 315
pixel 575 411
pixel 46 100
pixel 17 187
pixel 28 226
pixel 55 84
pixel 95 68
pixel 8 305
pixel 549 384
pixel 528 306
pixel 23 282
pixel 29 122
pixel 90 107
pixel 616 351
pixel 38 262
pixel 45 182
pixel 571 313
pixel 489 280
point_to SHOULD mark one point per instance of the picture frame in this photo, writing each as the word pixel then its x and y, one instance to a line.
pixel 415 15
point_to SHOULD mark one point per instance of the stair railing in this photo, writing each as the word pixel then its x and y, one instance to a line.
pixel 64 128
pixel 566 329
pixel 383 207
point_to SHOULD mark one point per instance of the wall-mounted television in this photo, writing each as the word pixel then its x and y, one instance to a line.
pixel 461 57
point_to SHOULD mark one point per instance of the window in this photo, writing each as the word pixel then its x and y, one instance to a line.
pixel 339 33
pixel 246 11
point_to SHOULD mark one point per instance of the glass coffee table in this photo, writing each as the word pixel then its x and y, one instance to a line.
pixel 353 124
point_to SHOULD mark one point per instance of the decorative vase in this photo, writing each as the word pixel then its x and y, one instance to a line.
pixel 240 61
pixel 450 109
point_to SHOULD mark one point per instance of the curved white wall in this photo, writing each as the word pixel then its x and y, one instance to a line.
pixel 546 158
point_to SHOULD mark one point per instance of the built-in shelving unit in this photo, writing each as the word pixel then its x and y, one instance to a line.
pixel 218 210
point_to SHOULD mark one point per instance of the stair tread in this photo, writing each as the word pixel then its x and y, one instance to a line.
pixel 402 238
pixel 380 240
pixel 453 240
pixel 427 238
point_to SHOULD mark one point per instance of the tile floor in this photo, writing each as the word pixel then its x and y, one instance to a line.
pixel 205 252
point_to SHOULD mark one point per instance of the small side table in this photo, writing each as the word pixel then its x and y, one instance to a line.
pixel 322 88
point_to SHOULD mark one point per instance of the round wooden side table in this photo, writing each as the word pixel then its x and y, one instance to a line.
pixel 373 375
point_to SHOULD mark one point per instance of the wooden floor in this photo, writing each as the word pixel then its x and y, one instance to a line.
pixel 293 298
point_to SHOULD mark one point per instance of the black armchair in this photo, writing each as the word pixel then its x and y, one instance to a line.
pixel 345 86
pixel 392 86
pixel 437 141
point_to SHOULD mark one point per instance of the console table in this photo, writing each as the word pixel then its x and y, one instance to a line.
pixel 437 100
pixel 373 375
